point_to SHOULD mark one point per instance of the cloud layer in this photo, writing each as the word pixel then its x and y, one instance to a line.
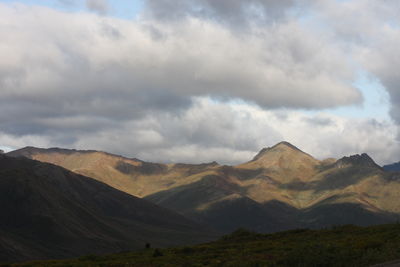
pixel 236 13
pixel 229 133
pixel 196 80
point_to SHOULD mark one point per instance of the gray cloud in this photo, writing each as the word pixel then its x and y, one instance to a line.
pixel 104 69
pixel 100 6
pixel 231 12
pixel 382 60
pixel 226 132
pixel 319 121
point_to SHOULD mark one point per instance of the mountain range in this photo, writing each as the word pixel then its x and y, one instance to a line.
pixel 281 188
pixel 392 167
pixel 50 212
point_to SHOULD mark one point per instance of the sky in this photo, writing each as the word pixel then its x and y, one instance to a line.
pixel 201 80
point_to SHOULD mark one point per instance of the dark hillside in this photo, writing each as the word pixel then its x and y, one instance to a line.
pixel 49 212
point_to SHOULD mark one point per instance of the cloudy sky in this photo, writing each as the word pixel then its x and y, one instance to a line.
pixel 201 80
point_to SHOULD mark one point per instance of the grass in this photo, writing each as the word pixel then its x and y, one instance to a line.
pixel 339 246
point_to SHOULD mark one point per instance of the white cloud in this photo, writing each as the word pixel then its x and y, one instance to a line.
pixel 382 59
pixel 372 36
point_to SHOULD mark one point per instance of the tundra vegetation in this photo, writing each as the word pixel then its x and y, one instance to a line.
pixel 346 245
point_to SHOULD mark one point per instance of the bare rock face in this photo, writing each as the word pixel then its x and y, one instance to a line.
pixel 362 160
pixel 1 151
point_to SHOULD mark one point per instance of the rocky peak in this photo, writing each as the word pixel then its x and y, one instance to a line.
pixel 357 160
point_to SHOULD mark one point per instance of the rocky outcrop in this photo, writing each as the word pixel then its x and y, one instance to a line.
pixel 362 160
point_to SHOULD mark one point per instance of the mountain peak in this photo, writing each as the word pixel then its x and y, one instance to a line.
pixel 279 147
pixel 357 160
pixel 287 145
pixel 284 162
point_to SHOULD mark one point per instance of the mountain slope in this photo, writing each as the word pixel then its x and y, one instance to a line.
pixel 132 176
pixel 49 212
pixel 220 203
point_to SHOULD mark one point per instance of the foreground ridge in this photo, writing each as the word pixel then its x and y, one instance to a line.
pixel 50 212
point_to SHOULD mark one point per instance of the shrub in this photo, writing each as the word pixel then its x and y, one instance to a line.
pixel 157 253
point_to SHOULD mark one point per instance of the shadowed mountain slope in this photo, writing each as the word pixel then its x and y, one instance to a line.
pixel 49 212
pixel 282 187
pixel 220 203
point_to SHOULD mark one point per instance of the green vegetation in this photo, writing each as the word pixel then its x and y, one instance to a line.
pixel 339 246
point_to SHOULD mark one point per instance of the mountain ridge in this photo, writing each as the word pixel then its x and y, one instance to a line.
pixel 298 184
